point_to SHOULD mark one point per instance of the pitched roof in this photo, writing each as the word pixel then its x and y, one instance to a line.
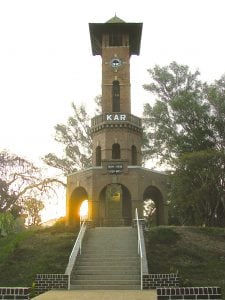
pixel 115 19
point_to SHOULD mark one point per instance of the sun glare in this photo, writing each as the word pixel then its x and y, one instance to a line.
pixel 84 209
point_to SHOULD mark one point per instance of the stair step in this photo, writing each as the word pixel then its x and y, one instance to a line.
pixel 108 257
pixel 116 271
pixel 106 277
pixel 108 263
pixel 105 287
pixel 105 282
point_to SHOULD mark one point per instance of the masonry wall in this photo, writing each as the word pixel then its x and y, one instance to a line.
pixel 191 293
pixel 47 282
pixel 15 293
pixel 153 281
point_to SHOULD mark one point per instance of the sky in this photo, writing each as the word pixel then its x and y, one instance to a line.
pixel 46 60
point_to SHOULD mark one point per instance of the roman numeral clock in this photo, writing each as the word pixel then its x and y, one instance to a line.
pixel 116 184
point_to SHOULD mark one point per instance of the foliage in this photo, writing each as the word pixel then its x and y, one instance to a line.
pixel 33 207
pixel 185 128
pixel 198 189
pixel 164 235
pixel 6 223
pixel 75 139
pixel 178 122
pixel 21 181
pixel 197 254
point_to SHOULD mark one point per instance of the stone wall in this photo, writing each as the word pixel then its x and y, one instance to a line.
pixel 15 293
pixel 47 282
pixel 192 293
pixel 153 281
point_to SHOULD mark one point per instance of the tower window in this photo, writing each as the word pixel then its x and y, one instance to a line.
pixel 115 39
pixel 116 151
pixel 116 96
pixel 98 156
pixel 133 155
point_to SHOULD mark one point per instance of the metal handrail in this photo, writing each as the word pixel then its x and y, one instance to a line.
pixel 140 252
pixel 76 249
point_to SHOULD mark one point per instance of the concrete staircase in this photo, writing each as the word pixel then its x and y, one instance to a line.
pixel 109 260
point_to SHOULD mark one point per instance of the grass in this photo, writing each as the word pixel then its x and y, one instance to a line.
pixel 197 254
pixel 24 255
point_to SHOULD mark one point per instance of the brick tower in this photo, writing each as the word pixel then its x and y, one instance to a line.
pixel 116 184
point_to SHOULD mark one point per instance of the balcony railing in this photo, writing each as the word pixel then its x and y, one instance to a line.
pixel 111 118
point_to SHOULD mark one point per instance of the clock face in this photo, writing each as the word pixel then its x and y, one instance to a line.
pixel 116 63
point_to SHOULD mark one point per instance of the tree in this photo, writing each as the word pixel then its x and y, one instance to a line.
pixel 21 180
pixel 33 207
pixel 178 122
pixel 185 129
pixel 198 189
pixel 76 140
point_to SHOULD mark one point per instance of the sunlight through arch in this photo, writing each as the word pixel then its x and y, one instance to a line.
pixel 84 210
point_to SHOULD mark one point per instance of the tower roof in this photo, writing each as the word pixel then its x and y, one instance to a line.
pixel 115 25
pixel 115 19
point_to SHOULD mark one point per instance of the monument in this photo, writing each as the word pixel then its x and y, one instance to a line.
pixel 116 183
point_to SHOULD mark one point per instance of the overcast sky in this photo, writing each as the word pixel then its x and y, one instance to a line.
pixel 46 60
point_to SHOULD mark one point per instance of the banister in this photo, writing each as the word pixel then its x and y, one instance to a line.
pixel 76 249
pixel 139 246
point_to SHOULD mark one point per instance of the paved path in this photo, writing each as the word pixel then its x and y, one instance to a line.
pixel 98 295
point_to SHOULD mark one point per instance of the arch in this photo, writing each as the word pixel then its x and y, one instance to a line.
pixel 75 201
pixel 115 207
pixel 116 151
pixel 116 96
pixel 134 155
pixel 98 158
pixel 152 193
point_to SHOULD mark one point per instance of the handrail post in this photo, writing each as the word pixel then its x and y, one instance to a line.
pixel 139 245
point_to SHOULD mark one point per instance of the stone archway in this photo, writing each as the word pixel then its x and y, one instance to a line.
pixel 75 201
pixel 115 208
pixel 153 193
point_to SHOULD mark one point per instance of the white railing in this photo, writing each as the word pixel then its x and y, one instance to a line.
pixel 140 252
pixel 76 249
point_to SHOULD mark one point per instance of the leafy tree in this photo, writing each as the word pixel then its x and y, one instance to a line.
pixel 198 189
pixel 33 207
pixel 20 180
pixel 185 129
pixel 178 122
pixel 76 140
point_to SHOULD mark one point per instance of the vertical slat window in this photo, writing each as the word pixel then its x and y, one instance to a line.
pixel 116 96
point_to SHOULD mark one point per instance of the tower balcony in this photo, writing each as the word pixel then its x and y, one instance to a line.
pixel 116 120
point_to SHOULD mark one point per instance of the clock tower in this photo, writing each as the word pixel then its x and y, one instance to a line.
pixel 116 184
pixel 117 135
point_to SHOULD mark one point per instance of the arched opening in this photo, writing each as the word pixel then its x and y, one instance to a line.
pixel 84 210
pixel 116 151
pixel 115 206
pixel 153 207
pixel 78 196
pixel 116 96
pixel 133 156
pixel 98 154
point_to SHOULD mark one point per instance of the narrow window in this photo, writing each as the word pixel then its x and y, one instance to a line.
pixel 116 151
pixel 133 155
pixel 98 156
pixel 116 96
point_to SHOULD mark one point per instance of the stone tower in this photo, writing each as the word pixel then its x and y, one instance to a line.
pixel 116 184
